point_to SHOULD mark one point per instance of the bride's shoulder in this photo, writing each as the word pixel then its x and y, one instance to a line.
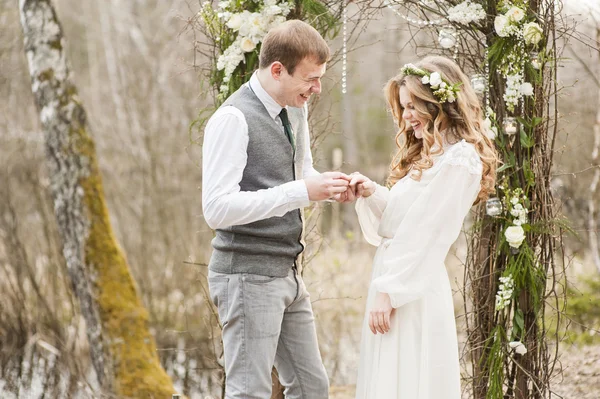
pixel 463 153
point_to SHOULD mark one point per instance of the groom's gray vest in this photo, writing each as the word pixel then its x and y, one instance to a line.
pixel 267 247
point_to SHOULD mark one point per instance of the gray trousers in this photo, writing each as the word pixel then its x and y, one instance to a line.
pixel 268 321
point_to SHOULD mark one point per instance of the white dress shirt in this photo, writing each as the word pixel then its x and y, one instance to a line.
pixel 224 155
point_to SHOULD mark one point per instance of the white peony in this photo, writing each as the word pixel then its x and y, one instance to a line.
pixel 247 45
pixel 518 347
pixel 526 89
pixel 532 33
pixel 515 14
pixel 235 22
pixel 501 26
pixel 515 236
pixel 435 80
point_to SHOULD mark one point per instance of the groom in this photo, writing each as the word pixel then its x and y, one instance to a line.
pixel 257 175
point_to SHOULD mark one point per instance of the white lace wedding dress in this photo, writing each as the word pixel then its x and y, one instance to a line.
pixel 414 224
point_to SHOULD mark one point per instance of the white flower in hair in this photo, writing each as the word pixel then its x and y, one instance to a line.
pixel 442 89
pixel 435 80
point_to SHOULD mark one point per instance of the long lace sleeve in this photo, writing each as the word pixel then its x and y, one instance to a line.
pixel 420 245
pixel 369 211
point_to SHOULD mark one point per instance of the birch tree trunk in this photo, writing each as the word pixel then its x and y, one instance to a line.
pixel 122 350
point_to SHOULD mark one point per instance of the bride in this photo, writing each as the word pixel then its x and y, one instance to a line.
pixel 445 164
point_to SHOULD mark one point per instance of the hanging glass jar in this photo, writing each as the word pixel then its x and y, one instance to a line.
pixel 493 207
pixel 510 125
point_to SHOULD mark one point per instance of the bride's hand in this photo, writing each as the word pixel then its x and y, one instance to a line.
pixel 380 314
pixel 363 186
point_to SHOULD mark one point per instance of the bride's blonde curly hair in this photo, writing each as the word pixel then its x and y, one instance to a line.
pixel 461 119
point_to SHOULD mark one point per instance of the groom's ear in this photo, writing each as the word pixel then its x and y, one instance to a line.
pixel 276 70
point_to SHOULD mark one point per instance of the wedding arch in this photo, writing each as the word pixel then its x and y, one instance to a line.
pixel 513 271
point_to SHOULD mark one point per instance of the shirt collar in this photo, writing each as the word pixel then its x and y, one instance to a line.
pixel 273 108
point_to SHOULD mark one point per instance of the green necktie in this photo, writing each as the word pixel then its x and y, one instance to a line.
pixel 287 127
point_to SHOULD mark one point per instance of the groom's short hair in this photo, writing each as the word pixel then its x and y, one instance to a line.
pixel 290 43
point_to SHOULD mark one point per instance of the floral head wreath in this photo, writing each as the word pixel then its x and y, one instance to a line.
pixel 442 89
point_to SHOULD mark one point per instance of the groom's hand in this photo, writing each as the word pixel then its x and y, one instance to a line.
pixel 359 186
pixel 347 196
pixel 326 185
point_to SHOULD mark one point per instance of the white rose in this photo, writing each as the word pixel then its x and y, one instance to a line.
pixel 518 347
pixel 425 80
pixel 247 45
pixel 532 33
pixel 526 89
pixel 435 80
pixel 500 25
pixel 515 14
pixel 235 22
pixel 515 236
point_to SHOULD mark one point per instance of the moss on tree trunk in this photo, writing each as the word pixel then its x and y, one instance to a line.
pixel 122 349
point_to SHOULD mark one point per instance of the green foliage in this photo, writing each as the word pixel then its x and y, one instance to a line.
pixel 498 51
pixel 320 17
pixel 495 362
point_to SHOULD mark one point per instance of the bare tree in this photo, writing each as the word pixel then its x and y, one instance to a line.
pixel 122 349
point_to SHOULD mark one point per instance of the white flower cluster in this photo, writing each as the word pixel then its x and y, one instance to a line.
pixel 505 292
pixel 511 24
pixel 518 212
pixel 466 12
pixel 442 90
pixel 250 29
pixel 515 89
pixel 515 234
